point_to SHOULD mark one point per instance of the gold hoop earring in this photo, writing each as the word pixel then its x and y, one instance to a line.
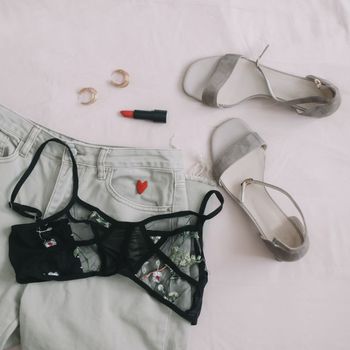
pixel 120 73
pixel 87 95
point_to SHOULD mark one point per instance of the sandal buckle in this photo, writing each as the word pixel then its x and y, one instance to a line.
pixel 318 83
pixel 247 181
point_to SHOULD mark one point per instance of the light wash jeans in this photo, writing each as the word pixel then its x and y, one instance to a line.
pixel 98 312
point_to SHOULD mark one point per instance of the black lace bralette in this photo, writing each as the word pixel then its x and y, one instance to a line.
pixel 163 253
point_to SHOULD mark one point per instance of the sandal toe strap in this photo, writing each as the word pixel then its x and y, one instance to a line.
pixel 236 151
pixel 221 73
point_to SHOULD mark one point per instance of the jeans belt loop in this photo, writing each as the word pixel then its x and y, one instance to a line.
pixel 29 142
pixel 101 167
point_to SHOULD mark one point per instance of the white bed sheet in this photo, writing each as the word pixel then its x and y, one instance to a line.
pixel 50 49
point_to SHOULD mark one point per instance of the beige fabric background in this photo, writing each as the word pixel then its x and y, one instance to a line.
pixel 50 49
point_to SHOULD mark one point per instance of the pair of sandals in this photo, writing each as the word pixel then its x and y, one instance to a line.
pixel 238 152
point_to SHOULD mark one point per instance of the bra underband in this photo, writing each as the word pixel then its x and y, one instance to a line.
pixel 163 254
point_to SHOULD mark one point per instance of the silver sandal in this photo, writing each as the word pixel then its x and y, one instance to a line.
pixel 225 81
pixel 238 156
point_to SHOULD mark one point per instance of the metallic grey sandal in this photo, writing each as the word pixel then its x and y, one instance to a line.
pixel 225 81
pixel 238 156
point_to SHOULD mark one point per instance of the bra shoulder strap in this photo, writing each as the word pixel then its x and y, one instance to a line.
pixel 31 212
pixel 205 202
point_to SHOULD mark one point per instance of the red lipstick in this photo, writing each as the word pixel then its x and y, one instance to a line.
pixel 127 114
pixel 157 116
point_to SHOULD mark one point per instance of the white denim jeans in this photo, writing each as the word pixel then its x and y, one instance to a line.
pixel 97 312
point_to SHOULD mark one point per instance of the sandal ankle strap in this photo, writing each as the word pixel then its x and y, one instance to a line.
pixel 281 250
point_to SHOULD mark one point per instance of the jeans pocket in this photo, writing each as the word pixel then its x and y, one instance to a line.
pixel 143 188
pixel 9 145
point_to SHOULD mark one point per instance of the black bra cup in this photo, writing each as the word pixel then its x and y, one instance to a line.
pixel 36 256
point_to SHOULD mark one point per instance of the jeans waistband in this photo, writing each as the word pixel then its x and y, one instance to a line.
pixel 32 135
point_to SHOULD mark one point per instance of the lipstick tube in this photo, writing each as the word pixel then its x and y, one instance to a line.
pixel 157 116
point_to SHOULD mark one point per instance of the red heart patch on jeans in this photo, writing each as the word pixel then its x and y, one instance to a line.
pixel 141 186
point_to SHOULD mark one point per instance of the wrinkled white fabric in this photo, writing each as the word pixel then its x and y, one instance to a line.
pixel 50 49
